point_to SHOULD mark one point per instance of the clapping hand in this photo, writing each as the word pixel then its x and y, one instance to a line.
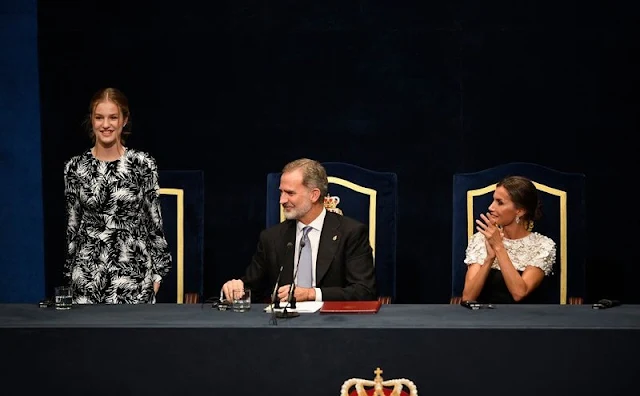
pixel 492 233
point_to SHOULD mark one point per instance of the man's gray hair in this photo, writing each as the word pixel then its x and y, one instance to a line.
pixel 313 174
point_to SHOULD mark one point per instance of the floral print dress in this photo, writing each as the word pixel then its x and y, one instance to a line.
pixel 116 248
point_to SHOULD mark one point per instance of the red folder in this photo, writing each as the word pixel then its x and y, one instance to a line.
pixel 368 307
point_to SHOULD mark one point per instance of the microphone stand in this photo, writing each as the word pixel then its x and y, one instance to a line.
pixel 291 303
pixel 275 303
pixel 291 299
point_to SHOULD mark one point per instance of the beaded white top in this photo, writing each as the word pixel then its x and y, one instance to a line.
pixel 534 250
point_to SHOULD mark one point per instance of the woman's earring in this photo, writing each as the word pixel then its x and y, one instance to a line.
pixel 517 219
pixel 530 225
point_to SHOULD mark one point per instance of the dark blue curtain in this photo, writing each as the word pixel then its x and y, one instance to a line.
pixel 22 270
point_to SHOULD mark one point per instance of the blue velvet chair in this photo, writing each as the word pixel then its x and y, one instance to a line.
pixel 563 220
pixel 365 195
pixel 182 205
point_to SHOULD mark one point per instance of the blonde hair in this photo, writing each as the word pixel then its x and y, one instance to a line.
pixel 115 96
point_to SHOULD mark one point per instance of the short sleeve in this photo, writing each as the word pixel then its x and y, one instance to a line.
pixel 476 251
pixel 543 254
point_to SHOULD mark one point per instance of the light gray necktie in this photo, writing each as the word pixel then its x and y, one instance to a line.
pixel 305 267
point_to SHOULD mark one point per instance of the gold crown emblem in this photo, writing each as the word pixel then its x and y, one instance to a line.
pixel 331 203
pixel 378 387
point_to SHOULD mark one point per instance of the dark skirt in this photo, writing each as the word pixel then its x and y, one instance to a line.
pixel 495 291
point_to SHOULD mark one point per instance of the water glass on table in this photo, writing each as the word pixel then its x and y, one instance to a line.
pixel 241 300
pixel 63 297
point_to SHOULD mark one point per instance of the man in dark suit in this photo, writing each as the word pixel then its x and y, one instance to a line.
pixel 341 264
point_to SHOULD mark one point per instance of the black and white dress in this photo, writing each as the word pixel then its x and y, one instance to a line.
pixel 534 250
pixel 116 247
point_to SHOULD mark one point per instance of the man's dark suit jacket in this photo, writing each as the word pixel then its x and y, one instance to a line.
pixel 344 266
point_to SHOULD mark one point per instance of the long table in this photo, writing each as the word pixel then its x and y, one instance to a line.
pixel 167 349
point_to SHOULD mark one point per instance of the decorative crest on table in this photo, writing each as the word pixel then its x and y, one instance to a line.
pixel 378 387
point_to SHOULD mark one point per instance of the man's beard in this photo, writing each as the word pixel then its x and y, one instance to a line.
pixel 297 212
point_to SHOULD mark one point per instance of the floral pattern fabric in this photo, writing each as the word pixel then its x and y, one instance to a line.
pixel 116 248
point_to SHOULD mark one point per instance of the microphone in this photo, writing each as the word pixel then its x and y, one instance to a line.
pixel 605 303
pixel 275 303
pixel 274 300
pixel 291 297
pixel 291 300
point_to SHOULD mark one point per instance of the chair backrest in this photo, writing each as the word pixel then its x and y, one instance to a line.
pixel 182 205
pixel 563 220
pixel 368 196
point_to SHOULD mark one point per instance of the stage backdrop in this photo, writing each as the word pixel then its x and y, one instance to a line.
pixel 21 217
pixel 239 88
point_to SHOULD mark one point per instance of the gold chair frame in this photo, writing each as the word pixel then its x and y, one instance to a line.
pixel 179 194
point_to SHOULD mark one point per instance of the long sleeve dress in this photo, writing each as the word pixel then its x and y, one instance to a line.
pixel 116 248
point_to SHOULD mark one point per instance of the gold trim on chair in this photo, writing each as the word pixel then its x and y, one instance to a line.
pixel 373 196
pixel 179 193
pixel 563 226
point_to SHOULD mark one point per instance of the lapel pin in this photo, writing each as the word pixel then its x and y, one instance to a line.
pixel 335 237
